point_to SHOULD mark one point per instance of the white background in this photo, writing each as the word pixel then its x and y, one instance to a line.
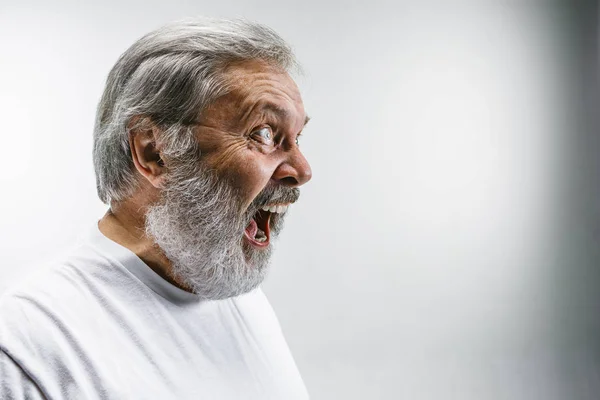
pixel 446 247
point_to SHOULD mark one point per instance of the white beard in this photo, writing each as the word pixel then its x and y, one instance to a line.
pixel 199 226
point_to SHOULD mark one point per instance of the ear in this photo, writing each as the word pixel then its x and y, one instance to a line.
pixel 143 139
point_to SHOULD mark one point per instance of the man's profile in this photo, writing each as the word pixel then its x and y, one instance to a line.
pixel 196 152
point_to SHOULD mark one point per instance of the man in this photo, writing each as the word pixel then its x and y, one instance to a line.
pixel 196 152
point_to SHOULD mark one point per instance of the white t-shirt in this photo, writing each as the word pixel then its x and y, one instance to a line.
pixel 103 325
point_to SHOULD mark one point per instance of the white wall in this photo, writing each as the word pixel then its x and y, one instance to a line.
pixel 429 257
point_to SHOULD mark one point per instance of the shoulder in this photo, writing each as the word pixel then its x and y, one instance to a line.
pixel 44 287
pixel 55 278
pixel 47 318
pixel 52 292
pixel 32 317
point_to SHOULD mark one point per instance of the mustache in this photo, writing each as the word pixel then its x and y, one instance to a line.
pixel 275 194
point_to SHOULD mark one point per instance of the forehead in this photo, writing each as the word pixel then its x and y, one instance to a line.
pixel 257 88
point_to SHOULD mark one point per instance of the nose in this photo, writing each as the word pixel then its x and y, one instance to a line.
pixel 294 171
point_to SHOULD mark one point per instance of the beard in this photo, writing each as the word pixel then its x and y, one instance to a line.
pixel 199 224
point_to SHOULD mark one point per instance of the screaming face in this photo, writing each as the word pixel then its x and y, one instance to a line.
pixel 220 209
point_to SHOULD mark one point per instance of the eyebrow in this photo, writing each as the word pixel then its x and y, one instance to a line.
pixel 281 113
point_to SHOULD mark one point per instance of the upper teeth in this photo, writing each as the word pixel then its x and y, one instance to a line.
pixel 276 208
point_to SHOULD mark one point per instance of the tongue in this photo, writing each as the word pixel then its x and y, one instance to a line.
pixel 252 228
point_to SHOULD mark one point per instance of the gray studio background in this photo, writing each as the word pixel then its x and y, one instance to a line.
pixel 447 246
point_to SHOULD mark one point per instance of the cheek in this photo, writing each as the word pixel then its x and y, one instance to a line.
pixel 250 175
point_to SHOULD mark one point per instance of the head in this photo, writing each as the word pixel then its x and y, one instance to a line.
pixel 199 125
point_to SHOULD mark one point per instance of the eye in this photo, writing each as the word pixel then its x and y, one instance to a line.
pixel 297 141
pixel 264 135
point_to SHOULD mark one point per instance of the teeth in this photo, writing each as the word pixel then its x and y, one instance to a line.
pixel 260 236
pixel 275 208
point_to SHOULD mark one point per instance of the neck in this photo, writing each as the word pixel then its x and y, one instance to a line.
pixel 124 224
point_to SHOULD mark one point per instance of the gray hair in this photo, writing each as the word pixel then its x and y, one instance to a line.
pixel 168 77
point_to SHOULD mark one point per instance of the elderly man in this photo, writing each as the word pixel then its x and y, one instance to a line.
pixel 196 152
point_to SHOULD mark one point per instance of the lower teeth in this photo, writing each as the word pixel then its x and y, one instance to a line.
pixel 260 236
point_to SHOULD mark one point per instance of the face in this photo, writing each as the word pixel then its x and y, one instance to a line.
pixel 251 137
pixel 252 134
pixel 220 211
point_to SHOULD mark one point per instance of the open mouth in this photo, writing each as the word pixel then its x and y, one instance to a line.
pixel 258 231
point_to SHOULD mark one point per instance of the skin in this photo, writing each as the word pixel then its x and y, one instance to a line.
pixel 233 139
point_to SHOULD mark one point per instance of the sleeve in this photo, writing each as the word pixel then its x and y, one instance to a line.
pixel 15 384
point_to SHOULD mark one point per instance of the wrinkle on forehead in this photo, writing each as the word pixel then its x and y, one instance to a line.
pixel 255 85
